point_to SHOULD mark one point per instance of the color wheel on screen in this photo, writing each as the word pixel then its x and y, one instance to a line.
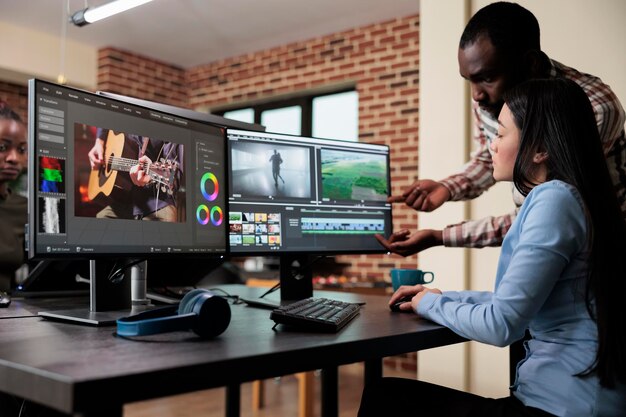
pixel 204 215
pixel 209 183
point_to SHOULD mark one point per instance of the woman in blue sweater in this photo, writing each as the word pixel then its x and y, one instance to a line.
pixel 561 274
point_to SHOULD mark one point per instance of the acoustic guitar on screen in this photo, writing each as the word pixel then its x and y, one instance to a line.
pixel 109 181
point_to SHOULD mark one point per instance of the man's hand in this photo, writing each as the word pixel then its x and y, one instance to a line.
pixel 404 243
pixel 96 153
pixel 138 173
pixel 423 195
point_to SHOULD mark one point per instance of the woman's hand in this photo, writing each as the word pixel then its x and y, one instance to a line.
pixel 414 292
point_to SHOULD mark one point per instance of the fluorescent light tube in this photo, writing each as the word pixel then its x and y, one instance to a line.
pixel 86 16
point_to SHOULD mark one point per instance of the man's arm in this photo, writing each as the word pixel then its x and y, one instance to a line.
pixel 488 231
pixel 477 175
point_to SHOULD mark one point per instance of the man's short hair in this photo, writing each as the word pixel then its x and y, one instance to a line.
pixel 511 28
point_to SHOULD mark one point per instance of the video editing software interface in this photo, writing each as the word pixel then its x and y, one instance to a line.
pixel 109 177
pixel 295 194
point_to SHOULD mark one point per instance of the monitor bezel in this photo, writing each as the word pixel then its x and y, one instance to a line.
pixel 208 118
pixel 31 234
pixel 292 253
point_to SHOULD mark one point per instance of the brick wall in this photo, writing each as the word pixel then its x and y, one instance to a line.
pixel 379 60
pixel 123 72
pixel 16 96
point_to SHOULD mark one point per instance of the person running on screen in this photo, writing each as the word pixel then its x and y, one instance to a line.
pixel 276 160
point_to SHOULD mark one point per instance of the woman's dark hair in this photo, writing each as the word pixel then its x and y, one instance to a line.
pixel 7 113
pixel 555 117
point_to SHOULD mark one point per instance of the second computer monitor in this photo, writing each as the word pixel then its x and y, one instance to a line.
pixel 294 194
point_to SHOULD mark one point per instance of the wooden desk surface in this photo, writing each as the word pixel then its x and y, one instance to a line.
pixel 74 368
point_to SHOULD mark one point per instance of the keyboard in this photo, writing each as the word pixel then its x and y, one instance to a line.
pixel 318 314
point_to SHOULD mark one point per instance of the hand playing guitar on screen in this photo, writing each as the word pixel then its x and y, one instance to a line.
pixel 134 176
pixel 139 173
pixel 96 154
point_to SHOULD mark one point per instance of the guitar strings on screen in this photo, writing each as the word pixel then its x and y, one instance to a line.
pixel 127 176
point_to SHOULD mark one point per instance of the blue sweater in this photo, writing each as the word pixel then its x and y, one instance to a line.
pixel 540 285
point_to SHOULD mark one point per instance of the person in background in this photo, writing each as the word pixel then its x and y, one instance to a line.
pixel 13 207
pixel 560 273
pixel 499 48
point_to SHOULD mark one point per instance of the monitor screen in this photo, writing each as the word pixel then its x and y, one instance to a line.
pixel 111 178
pixel 293 194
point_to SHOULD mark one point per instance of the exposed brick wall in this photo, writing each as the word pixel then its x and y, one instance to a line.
pixel 16 96
pixel 380 60
pixel 123 72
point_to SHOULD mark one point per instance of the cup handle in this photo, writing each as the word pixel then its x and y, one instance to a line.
pixel 432 277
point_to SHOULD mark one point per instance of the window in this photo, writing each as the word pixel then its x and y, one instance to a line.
pixel 243 115
pixel 334 116
pixel 286 120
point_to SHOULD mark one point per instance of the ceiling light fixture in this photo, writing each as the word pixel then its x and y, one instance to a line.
pixel 87 15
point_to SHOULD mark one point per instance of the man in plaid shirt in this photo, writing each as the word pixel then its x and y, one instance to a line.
pixel 500 48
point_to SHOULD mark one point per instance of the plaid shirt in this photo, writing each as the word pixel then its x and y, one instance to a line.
pixel 476 176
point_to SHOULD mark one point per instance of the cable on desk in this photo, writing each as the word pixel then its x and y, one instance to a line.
pixel 235 298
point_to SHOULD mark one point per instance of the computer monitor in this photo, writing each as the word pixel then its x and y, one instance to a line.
pixel 296 196
pixel 160 190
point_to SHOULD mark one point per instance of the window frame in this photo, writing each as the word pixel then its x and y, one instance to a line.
pixel 304 101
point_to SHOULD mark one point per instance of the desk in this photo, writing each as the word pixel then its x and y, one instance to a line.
pixel 80 369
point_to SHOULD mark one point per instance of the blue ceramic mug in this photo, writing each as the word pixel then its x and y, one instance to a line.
pixel 410 277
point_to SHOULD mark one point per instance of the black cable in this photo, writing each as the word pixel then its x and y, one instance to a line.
pixel 235 298
pixel 271 290
pixel 116 275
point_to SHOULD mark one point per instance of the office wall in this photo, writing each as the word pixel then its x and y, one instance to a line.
pixel 586 35
pixel 27 54
pixel 443 149
pixel 126 73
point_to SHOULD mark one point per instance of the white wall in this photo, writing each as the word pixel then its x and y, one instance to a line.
pixel 442 149
pixel 27 54
pixel 588 36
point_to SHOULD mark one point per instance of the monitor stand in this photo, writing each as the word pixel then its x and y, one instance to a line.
pixel 108 301
pixel 296 277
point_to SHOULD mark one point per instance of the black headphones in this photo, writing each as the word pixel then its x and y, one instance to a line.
pixel 207 314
